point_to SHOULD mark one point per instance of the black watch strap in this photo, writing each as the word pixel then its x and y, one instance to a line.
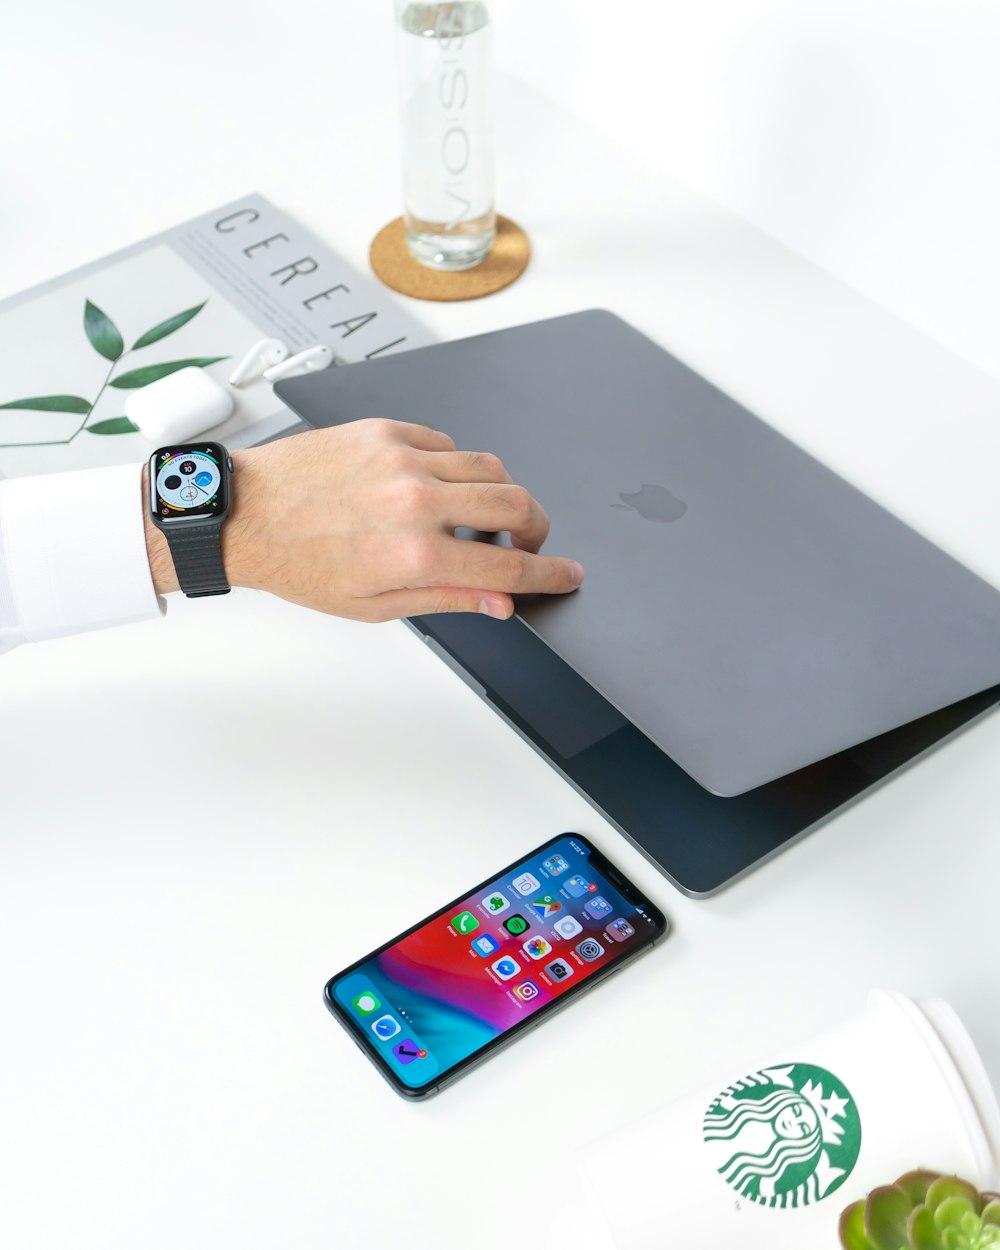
pixel 196 551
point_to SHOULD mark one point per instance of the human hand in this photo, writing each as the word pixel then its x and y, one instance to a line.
pixel 359 521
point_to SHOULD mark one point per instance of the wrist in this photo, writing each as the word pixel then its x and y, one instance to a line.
pixel 240 534
pixel 161 566
pixel 240 550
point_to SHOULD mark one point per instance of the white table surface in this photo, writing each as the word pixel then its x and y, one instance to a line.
pixel 205 817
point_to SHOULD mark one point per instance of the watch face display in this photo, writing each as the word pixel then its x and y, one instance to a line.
pixel 189 481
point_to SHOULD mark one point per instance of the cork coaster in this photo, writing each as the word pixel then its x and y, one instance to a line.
pixel 393 264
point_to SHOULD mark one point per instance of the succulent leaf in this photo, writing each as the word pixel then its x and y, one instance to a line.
pixel 915 1184
pixel 962 1227
pixel 970 1224
pixel 946 1187
pixel 886 1212
pixel 852 1227
pixel 950 1213
pixel 987 1237
pixel 922 1232
pixel 923 1211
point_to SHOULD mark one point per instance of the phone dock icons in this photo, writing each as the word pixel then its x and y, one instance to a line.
pixel 385 1027
pixel 407 1051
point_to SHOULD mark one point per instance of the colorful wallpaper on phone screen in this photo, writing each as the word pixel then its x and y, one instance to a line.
pixel 460 980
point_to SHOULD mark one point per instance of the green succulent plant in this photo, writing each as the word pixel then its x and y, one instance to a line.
pixel 923 1211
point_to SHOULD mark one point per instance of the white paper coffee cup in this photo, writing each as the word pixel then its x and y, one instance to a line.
pixel 768 1160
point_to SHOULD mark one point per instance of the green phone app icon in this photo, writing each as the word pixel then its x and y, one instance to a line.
pixel 464 922
pixel 366 1003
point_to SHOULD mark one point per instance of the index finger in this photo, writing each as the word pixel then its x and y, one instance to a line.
pixel 424 438
pixel 494 508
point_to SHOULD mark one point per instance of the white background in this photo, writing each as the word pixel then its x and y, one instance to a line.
pixel 862 133
pixel 205 817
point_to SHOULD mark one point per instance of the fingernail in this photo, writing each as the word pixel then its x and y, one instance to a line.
pixel 575 572
pixel 494 608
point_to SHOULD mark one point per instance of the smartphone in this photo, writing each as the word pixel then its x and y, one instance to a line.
pixel 448 993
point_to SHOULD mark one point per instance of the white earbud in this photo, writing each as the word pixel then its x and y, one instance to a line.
pixel 310 361
pixel 258 359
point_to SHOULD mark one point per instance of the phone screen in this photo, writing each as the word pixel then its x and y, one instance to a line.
pixel 457 984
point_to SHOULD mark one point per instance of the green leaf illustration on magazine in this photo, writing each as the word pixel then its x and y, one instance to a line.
pixel 76 349
pixel 106 339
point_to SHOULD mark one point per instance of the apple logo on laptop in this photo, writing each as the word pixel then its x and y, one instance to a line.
pixel 653 503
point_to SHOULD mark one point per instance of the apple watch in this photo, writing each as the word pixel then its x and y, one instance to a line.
pixel 188 500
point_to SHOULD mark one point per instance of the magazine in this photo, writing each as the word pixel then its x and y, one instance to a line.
pixel 200 294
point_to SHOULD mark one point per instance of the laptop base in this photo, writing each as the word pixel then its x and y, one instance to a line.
pixel 699 841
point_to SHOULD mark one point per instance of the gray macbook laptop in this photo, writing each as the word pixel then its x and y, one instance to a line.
pixel 746 610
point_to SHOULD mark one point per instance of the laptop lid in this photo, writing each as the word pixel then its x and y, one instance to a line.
pixel 747 609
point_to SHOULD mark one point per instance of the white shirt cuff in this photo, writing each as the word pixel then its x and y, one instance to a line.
pixel 75 551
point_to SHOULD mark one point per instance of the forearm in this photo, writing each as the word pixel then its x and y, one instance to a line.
pixel 360 520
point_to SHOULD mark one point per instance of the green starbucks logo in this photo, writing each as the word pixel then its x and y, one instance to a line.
pixel 785 1136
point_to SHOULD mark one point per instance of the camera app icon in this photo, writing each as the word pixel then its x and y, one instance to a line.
pixel 559 970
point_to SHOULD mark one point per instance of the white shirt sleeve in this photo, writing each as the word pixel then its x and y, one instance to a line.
pixel 73 554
